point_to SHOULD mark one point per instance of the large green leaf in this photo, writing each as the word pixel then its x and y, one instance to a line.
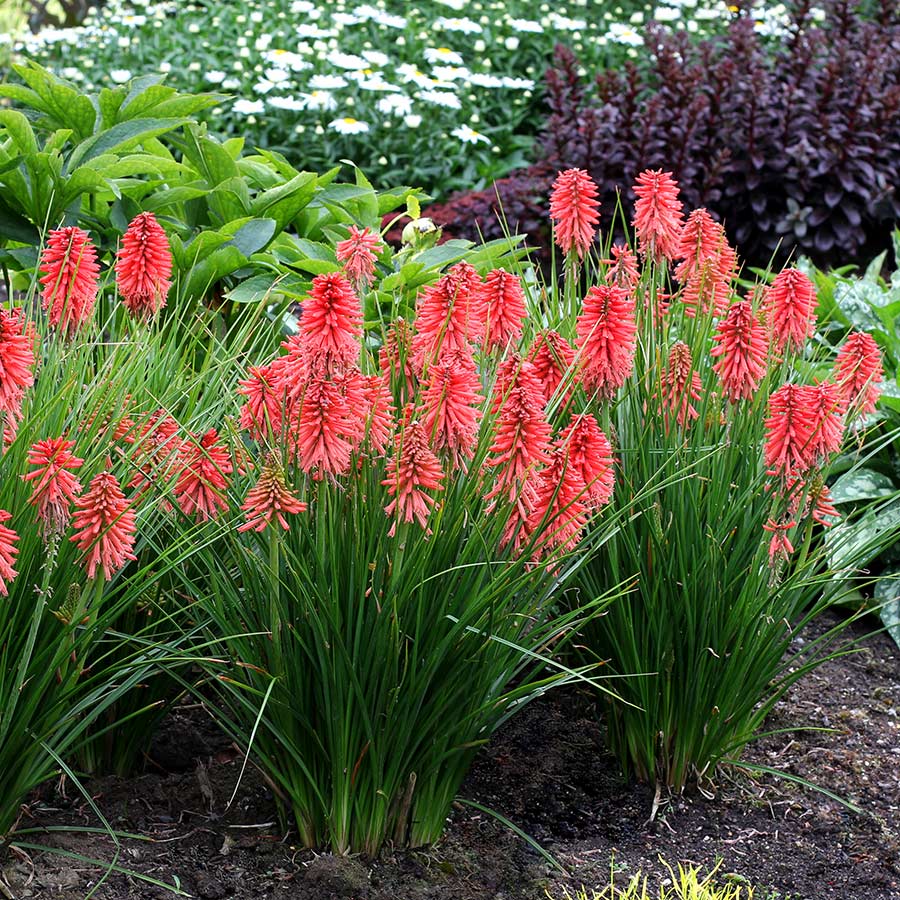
pixel 855 544
pixel 122 137
pixel 19 129
pixel 283 203
pixel 887 595
pixel 861 484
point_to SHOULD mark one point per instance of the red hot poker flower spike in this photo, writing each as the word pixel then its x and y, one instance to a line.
pixel 606 336
pixel 553 358
pixel 410 473
pixel 144 266
pixel 270 498
pixel 559 510
pixel 589 452
pixel 790 304
pixel 8 553
pixel 789 430
pixel 680 388
pixel 54 487
pixel 330 324
pixel 741 348
pixel 16 363
pixel 202 481
pixel 357 253
pixel 105 526
pixel 450 406
pixel 858 373
pixel 657 215
pixel 71 278
pixel 574 209
pixel 504 306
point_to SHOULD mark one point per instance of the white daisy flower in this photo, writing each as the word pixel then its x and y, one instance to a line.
pixel 263 86
pixel 458 5
pixel 277 76
pixel 526 25
pixel 443 55
pixel 482 79
pixel 376 58
pixel 518 84
pixel 380 17
pixel 318 100
pixel 469 135
pixel 412 121
pixel 342 18
pixel 231 84
pixel 348 125
pixel 120 76
pixel 466 26
pixel 666 14
pixel 286 59
pixel 289 103
pixel 313 32
pixel 624 34
pixel 410 73
pixel 451 73
pixel 248 107
pixel 441 98
pixel 346 60
pixel 302 6
pixel 395 105
pixel 327 82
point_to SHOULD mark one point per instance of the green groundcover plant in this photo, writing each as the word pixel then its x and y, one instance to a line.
pixel 728 560
pixel 440 94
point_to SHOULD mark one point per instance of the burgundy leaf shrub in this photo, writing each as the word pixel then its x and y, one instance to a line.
pixel 793 144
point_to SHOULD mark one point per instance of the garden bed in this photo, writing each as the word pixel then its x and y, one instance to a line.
pixel 549 773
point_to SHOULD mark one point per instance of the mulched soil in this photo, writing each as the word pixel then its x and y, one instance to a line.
pixel 547 771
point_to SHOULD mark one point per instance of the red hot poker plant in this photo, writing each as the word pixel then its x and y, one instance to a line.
pixel 708 411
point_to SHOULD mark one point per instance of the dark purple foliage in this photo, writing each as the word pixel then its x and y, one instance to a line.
pixel 795 147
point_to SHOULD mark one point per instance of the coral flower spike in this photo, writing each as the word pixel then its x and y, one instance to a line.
pixel 858 372
pixel 413 471
pixel 741 349
pixel 8 553
pixel 202 481
pixel 71 278
pixel 606 336
pixel 657 215
pixel 575 210
pixel 144 266
pixel 16 364
pixel 105 526
pixel 791 307
pixel 270 498
pixel 330 325
pixel 54 487
pixel 357 253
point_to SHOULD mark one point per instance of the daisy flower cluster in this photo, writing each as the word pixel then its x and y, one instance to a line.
pixel 439 94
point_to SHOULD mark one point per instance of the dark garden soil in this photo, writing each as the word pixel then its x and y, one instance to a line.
pixel 548 772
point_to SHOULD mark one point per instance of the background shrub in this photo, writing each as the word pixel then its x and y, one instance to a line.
pixel 794 145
